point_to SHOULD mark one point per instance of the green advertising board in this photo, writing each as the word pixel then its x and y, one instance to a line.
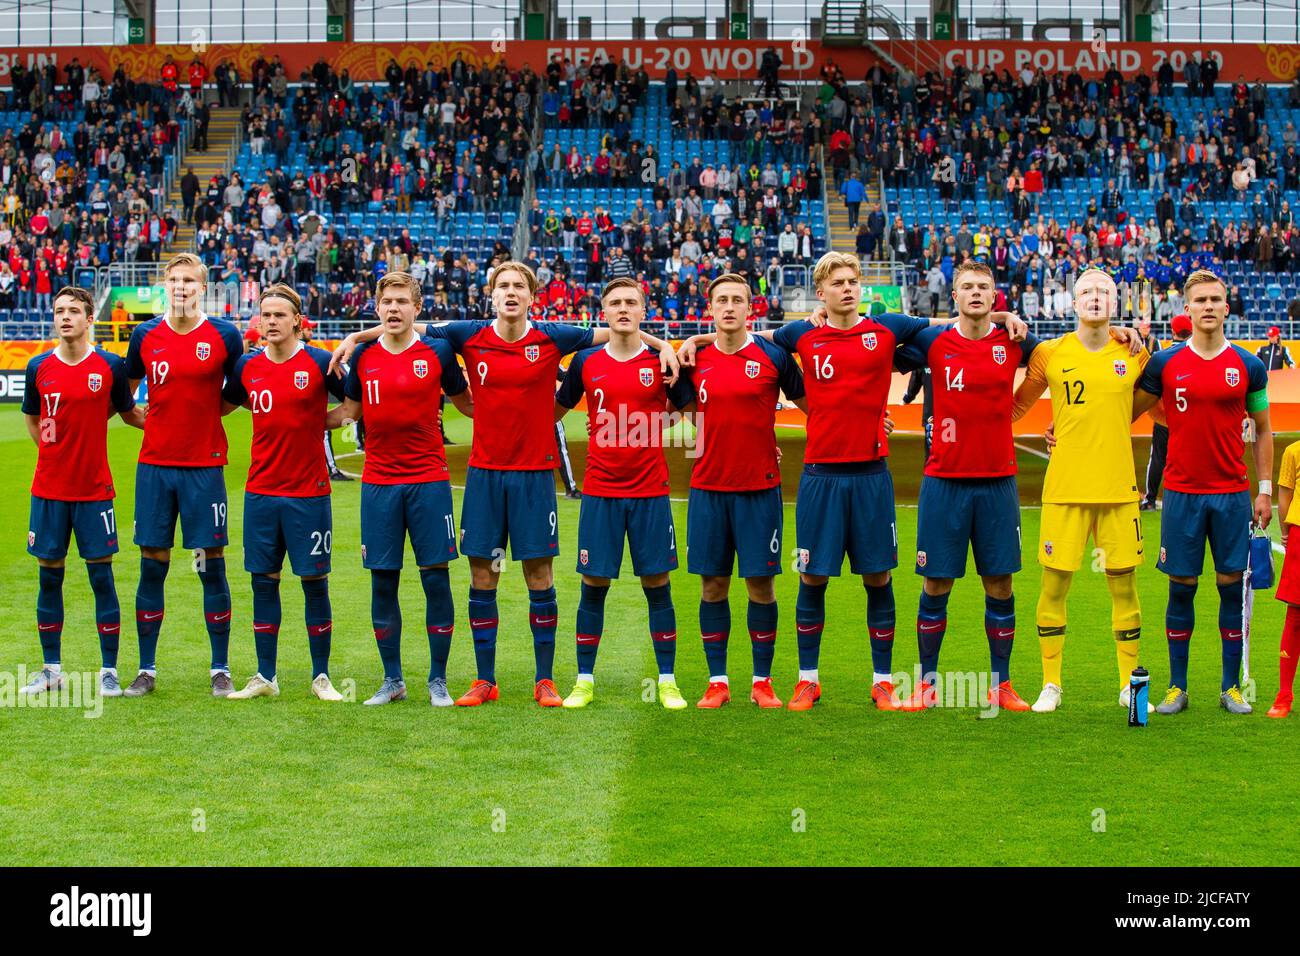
pixel 891 299
pixel 138 299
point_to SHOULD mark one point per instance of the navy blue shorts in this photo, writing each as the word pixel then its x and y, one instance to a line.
pixel 1186 520
pixel 977 514
pixel 725 526
pixel 420 509
pixel 275 525
pixel 846 509
pixel 53 523
pixel 647 523
pixel 509 506
pixel 196 495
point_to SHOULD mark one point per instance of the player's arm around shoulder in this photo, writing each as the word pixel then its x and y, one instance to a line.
pixel 571 388
pixel 32 397
pixel 1034 384
pixel 122 396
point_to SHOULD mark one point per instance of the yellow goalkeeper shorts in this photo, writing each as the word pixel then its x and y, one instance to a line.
pixel 1116 531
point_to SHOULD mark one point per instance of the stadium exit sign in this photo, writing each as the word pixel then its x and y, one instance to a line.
pixel 334 29
pixel 135 30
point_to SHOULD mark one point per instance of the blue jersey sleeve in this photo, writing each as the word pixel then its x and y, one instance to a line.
pixel 123 400
pixel 234 347
pixel 32 397
pixel 457 332
pixel 571 388
pixel 1256 371
pixel 1152 380
pixel 567 338
pixel 915 354
pixel 1027 347
pixel 788 375
pixel 453 377
pixel 352 385
pixel 234 391
pixel 788 335
pixel 333 384
pixel 134 351
pixel 682 393
pixel 904 327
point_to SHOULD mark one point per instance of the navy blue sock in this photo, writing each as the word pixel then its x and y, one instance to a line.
pixel 761 619
pixel 1230 633
pixel 216 610
pixel 880 626
pixel 49 614
pixel 266 622
pixel 543 614
pixel 483 621
pixel 386 617
pixel 108 613
pixel 149 609
pixel 439 618
pixel 715 629
pixel 1000 627
pixel 809 622
pixel 1180 621
pixel 590 626
pixel 320 623
pixel 931 623
pixel 663 626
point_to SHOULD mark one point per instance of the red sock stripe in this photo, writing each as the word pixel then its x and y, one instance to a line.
pixel 1000 633
pixel 46 627
pixel 218 617
pixel 266 627
pixel 149 616
pixel 381 634
pixel 762 637
pixel 482 623
pixel 716 638
pixel 663 637
pixel 316 630
pixel 588 639
pixel 1178 635
pixel 881 633
pixel 109 628
pixel 1230 635
pixel 440 628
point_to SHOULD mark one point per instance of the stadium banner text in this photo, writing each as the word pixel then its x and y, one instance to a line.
pixel 800 59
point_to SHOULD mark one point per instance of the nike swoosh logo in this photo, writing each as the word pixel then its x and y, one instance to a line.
pixel 49 627
pixel 156 351
pixel 218 618
pixel 597 378
pixel 927 628
pixel 808 628
pixel 109 628
pixel 263 628
pixel 1179 378
pixel 1066 371
pixel 151 615
pixel 484 622
pixel 442 628
pixel 584 639
pixel 764 637
pixel 818 345
pixel 545 621
pixel 952 355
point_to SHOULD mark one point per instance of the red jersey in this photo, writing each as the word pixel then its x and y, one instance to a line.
pixel 847 373
pixel 399 395
pixel 626 401
pixel 736 398
pixel 185 375
pixel 1206 402
pixel 74 403
pixel 972 385
pixel 288 402
pixel 514 390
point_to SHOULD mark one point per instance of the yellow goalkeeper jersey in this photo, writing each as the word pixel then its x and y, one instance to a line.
pixel 1092 413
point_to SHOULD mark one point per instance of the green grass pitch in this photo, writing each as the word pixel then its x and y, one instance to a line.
pixel 181 778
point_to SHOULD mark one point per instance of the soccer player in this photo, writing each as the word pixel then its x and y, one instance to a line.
pixel 510 485
pixel 846 493
pixel 1288 585
pixel 1209 387
pixel 287 496
pixel 186 357
pixel 969 499
pixel 625 489
pixel 734 517
pixel 69 395
pixel 395 384
pixel 1090 488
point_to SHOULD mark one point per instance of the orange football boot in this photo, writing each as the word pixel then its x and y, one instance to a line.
pixel 480 692
pixel 1007 698
pixel 1281 706
pixel 883 696
pixel 806 693
pixel 923 698
pixel 717 695
pixel 763 695
pixel 545 694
